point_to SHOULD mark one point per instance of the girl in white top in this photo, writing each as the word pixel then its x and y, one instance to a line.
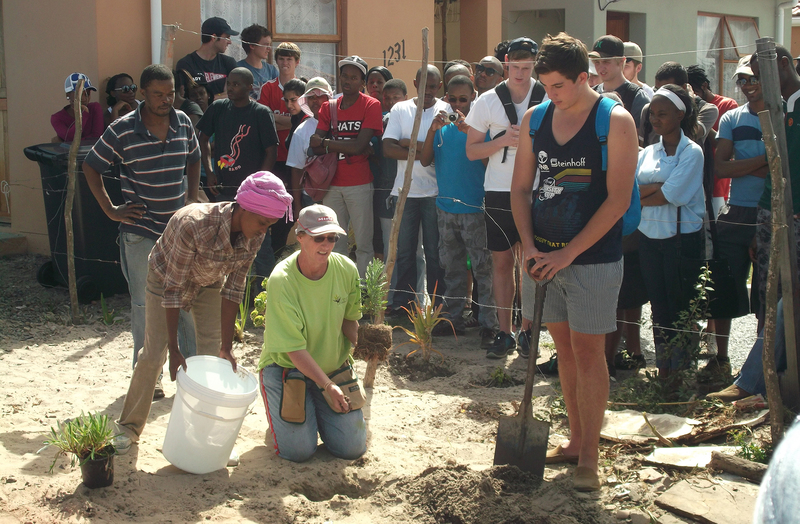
pixel 670 175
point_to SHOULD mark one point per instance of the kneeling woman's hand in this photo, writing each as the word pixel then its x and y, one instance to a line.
pixel 340 402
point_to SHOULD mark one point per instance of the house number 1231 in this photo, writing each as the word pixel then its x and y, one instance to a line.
pixel 393 53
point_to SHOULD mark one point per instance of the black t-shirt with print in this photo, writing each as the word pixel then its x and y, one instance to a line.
pixel 241 137
pixel 213 73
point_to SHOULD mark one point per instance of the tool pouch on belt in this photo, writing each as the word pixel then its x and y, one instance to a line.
pixel 293 396
pixel 345 377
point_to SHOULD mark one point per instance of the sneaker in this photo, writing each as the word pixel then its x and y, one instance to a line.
pixel 524 343
pixel 470 320
pixel 550 368
pixel 502 345
pixel 629 362
pixel 445 329
pixel 729 394
pixel 717 369
pixel 487 337
pixel 158 393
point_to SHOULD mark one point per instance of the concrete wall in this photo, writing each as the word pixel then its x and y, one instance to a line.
pixel 666 29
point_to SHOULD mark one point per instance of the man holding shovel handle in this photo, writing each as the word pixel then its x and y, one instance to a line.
pixel 568 211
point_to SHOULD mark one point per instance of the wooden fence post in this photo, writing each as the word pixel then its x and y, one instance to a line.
pixel 72 178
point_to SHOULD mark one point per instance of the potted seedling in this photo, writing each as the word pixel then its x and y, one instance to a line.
pixel 89 438
pixel 375 338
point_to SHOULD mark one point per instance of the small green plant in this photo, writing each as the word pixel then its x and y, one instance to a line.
pixel 241 318
pixel 748 449
pixel 424 319
pixel 500 378
pixel 373 292
pixel 88 437
pixel 259 306
pixel 109 316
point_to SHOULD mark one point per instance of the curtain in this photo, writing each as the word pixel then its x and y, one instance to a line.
pixel 239 14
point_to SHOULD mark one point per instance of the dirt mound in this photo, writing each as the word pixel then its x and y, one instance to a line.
pixel 501 495
pixel 416 369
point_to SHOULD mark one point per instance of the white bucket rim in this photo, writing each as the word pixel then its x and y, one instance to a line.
pixel 206 394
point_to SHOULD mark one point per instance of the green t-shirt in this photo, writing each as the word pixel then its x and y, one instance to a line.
pixel 792 125
pixel 308 314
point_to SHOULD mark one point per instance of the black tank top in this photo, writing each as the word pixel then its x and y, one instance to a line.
pixel 572 186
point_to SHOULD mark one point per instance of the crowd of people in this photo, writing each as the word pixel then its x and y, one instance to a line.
pixel 527 173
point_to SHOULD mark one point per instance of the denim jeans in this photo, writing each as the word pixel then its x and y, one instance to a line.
pixel 386 230
pixel 418 212
pixel 133 252
pixel 344 434
pixel 751 377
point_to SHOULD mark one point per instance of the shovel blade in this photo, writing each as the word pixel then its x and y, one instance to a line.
pixel 522 442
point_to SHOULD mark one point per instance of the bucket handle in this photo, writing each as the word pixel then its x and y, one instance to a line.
pixel 209 415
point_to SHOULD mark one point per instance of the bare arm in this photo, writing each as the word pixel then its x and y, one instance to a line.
pixel 478 148
pixel 127 213
pixel 282 122
pixel 425 151
pixel 724 167
pixel 655 198
pixel 227 319
pixel 521 190
pixel 270 156
pixel 645 190
pixel 193 182
pixel 350 330
pixel 359 146
pixel 176 360
pixel 205 158
pixel 296 190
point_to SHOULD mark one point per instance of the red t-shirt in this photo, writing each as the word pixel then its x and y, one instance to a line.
pixel 353 170
pixel 722 186
pixel 272 97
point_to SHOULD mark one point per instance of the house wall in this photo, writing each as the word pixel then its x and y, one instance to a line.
pixel 666 29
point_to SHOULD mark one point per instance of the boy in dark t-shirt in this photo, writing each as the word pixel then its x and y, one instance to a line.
pixel 209 65
pixel 569 224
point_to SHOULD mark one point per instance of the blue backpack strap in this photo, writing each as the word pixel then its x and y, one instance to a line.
pixel 536 118
pixel 602 125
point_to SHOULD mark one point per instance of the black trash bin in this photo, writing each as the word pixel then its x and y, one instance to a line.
pixel 97 268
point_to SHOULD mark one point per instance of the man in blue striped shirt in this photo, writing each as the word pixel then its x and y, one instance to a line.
pixel 158 156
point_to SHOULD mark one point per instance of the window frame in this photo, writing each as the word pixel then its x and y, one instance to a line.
pixel 339 39
pixel 728 35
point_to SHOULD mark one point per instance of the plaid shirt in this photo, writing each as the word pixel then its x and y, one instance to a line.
pixel 195 251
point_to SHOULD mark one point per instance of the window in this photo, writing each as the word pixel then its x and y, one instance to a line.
pixel 722 41
pixel 314 25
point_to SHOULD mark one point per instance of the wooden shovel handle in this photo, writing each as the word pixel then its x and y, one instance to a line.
pixel 536 328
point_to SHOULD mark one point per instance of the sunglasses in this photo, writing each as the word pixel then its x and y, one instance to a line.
pixel 488 71
pixel 127 89
pixel 322 238
pixel 753 81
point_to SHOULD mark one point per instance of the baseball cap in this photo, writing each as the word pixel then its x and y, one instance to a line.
pixel 72 82
pixel 633 51
pixel 522 43
pixel 743 67
pixel 609 46
pixel 318 220
pixel 491 62
pixel 354 60
pixel 217 26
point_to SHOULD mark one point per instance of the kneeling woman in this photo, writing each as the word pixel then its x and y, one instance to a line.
pixel 670 175
pixel 311 318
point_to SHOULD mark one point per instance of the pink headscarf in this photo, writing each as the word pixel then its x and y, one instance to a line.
pixel 264 194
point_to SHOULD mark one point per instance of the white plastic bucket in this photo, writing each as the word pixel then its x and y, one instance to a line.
pixel 207 413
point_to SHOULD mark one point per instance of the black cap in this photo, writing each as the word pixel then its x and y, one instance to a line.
pixel 522 44
pixel 356 61
pixel 217 26
pixel 609 46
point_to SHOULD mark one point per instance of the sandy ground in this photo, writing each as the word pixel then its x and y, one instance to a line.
pixel 430 442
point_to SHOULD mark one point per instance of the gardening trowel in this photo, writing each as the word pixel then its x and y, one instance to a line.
pixel 522 440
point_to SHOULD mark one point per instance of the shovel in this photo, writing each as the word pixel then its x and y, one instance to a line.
pixel 522 440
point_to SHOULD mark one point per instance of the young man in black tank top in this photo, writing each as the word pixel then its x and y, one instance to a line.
pixel 570 227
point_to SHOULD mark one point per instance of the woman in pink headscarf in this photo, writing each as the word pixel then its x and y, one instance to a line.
pixel 200 264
